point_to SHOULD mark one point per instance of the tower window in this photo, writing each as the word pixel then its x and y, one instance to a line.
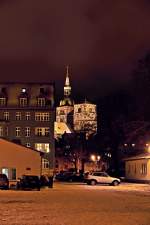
pixel 79 110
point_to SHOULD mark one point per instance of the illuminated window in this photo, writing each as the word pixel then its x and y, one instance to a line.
pixel 41 102
pixel 2 101
pixel 47 131
pixel 5 171
pixel 6 115
pixel 18 131
pixel 1 131
pixel 47 147
pixel 44 147
pixel 42 131
pixel 27 131
pixel 45 164
pixel 38 131
pixel 27 115
pixel 144 168
pixel 18 115
pixel 9 172
pixel 39 116
pixel 38 146
pixel 23 102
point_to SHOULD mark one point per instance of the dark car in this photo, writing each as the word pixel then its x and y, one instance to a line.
pixel 29 182
pixel 69 176
pixel 4 182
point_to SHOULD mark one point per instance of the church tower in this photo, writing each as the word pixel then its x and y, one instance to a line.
pixel 64 113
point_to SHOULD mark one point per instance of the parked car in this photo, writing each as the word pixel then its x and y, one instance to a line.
pixel 29 182
pixel 4 182
pixel 101 178
pixel 46 181
pixel 69 176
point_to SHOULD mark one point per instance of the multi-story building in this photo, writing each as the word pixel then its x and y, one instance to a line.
pixel 27 117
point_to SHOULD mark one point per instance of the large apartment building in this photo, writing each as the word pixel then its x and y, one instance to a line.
pixel 27 117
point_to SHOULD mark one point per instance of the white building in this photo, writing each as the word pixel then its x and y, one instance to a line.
pixel 137 168
pixel 17 160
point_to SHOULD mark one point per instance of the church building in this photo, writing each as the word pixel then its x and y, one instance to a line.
pixel 79 117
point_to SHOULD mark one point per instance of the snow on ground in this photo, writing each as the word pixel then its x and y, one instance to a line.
pixel 77 204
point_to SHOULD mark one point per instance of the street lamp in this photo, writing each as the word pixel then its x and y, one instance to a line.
pixel 96 159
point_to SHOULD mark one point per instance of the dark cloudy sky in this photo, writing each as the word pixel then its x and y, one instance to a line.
pixel 100 39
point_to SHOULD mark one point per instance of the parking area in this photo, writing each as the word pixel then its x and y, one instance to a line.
pixel 123 187
pixel 77 203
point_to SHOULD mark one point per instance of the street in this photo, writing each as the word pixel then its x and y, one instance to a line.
pixel 77 204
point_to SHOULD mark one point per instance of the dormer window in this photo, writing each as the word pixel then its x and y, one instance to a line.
pixel 23 101
pixel 2 101
pixel 23 98
pixel 41 102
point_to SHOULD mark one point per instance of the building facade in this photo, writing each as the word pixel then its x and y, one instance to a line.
pixel 27 117
pixel 137 168
pixel 85 118
pixel 17 160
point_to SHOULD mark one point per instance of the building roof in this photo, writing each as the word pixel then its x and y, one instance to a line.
pixel 4 141
pixel 137 157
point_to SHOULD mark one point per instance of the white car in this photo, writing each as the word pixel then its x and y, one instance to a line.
pixel 101 178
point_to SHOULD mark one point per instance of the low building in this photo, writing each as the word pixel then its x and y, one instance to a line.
pixel 137 168
pixel 17 160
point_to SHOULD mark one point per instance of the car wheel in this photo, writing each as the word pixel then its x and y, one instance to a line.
pixel 93 182
pixel 115 183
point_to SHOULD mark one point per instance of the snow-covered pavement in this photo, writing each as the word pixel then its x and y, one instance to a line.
pixel 77 204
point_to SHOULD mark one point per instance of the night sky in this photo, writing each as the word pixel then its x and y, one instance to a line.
pixel 101 40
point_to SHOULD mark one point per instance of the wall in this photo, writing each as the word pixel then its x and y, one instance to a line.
pixel 25 160
pixel 138 169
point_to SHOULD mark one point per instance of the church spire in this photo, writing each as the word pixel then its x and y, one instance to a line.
pixel 67 87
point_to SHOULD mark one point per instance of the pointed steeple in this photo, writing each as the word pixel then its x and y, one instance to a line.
pixel 67 100
pixel 67 87
pixel 67 82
